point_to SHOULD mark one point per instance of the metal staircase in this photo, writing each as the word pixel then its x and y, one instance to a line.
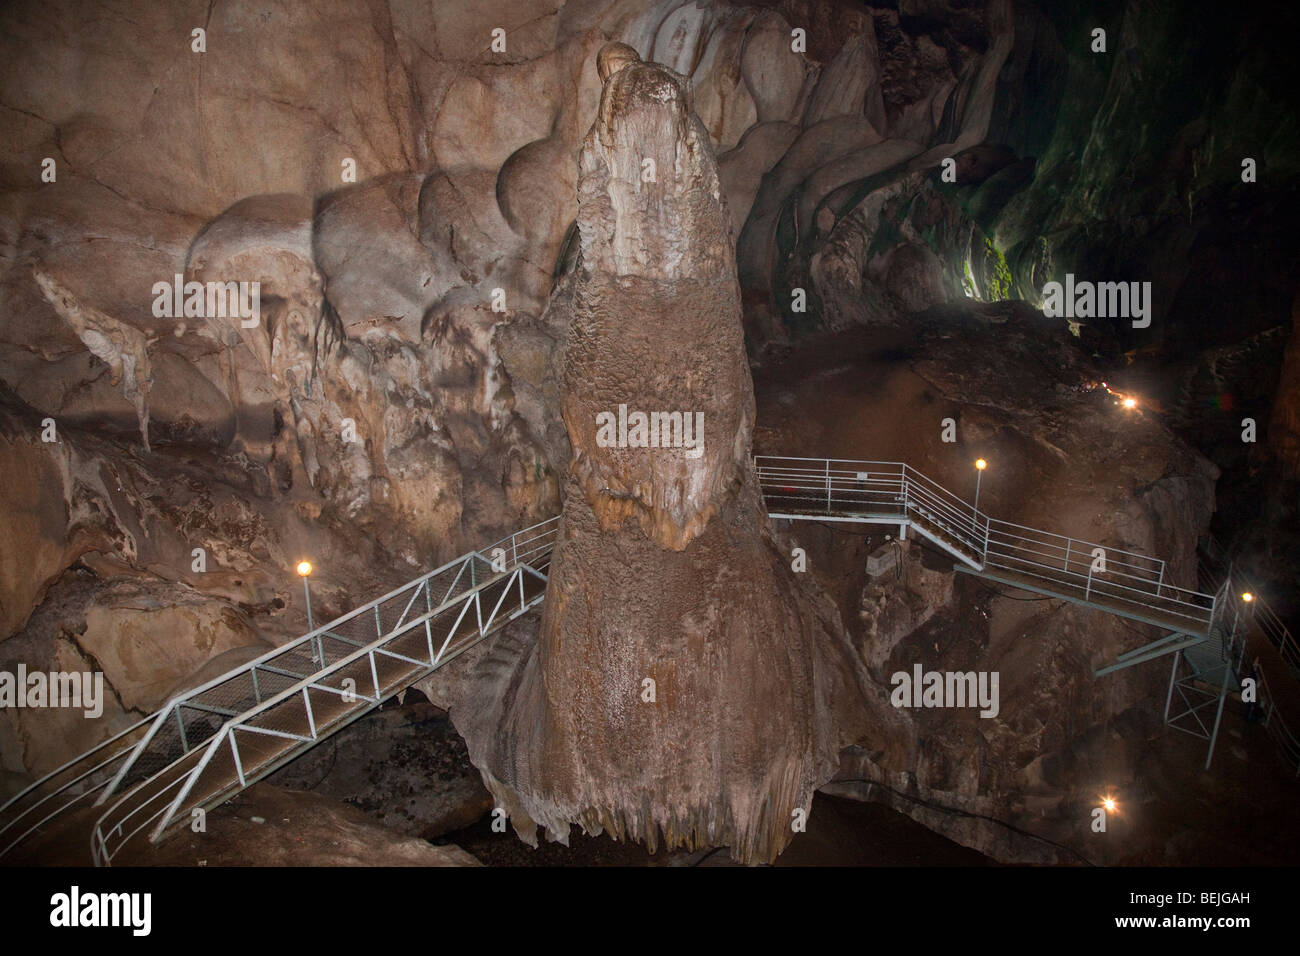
pixel 1252 644
pixel 1210 633
pixel 210 742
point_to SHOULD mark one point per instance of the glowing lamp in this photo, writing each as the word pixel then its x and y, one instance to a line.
pixel 1130 403
pixel 981 464
pixel 1109 804
pixel 1248 597
pixel 304 568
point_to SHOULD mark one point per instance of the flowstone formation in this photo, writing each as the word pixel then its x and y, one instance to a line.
pixel 684 688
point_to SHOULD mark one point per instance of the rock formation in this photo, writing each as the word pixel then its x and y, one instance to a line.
pixel 684 689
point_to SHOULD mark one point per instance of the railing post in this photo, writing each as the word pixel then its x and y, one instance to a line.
pixel 239 764
pixel 311 717
pixel 428 629
pixel 906 492
pixel 828 486
pixel 100 849
pixel 1087 591
pixel 1160 581
pixel 1069 543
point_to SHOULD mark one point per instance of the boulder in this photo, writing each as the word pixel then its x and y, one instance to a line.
pixel 129 622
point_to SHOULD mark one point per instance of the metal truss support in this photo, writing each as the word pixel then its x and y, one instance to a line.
pixel 1195 694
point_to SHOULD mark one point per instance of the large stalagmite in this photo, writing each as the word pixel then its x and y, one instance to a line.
pixel 685 689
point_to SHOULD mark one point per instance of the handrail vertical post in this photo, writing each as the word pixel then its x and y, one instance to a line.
pixel 428 629
pixel 311 717
pixel 239 764
pixel 828 486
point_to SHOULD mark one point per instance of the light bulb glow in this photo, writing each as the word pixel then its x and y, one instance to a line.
pixel 1247 597
pixel 981 464
pixel 1109 804
pixel 1127 401
pixel 304 568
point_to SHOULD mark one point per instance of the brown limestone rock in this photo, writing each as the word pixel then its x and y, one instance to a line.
pixel 665 570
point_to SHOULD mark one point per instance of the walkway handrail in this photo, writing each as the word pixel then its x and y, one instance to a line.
pixel 1215 566
pixel 1268 621
pixel 310 642
pixel 105 768
pixel 100 757
pixel 101 850
pixel 306 641
pixel 1275 724
pixel 886 492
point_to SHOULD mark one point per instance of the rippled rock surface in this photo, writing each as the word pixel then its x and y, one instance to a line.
pixel 684 688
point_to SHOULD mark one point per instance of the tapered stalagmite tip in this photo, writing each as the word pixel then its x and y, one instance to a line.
pixel 614 57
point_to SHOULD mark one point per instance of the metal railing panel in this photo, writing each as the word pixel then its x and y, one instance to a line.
pixel 875 490
pixel 270 717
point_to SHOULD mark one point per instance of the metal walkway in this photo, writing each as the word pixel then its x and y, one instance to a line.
pixel 1217 639
pixel 211 742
